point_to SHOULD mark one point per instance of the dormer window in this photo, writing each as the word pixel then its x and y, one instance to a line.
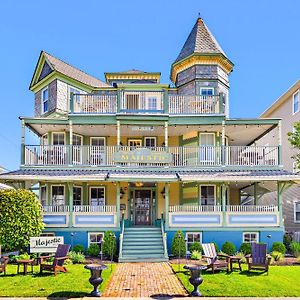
pixel 296 102
pixel 206 91
pixel 45 99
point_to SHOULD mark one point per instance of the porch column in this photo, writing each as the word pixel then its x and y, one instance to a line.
pixel 23 143
pixel 280 189
pixel 70 190
pixel 118 133
pixel 167 187
pixel 70 148
pixel 118 202
pixel 223 194
pixel 166 133
pixel 223 149
pixel 279 143
pixel 255 193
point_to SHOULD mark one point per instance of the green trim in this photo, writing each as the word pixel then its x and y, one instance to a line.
pixel 204 229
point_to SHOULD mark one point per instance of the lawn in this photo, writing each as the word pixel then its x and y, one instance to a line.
pixel 74 283
pixel 281 281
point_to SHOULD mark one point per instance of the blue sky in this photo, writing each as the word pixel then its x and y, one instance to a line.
pixel 260 37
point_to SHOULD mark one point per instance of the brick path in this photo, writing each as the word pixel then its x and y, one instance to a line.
pixel 144 280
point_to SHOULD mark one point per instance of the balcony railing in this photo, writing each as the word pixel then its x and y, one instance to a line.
pixel 202 156
pixel 146 102
pixel 79 208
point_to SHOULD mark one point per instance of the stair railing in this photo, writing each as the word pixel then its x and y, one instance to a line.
pixel 164 236
pixel 121 236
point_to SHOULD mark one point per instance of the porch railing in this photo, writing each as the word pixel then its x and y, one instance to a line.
pixel 94 208
pixel 195 208
pixel 56 208
pixel 251 208
pixel 202 156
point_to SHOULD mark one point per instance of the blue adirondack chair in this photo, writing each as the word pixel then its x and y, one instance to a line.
pixel 258 260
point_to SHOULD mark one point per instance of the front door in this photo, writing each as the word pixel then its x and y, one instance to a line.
pixel 142 207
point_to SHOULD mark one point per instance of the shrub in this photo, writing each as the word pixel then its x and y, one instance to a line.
pixel 287 240
pixel 295 248
pixel 23 256
pixel 246 248
pixel 242 256
pixel 68 261
pixel 93 250
pixel 216 247
pixel 276 255
pixel 196 247
pixel 228 248
pixel 110 244
pixel 196 255
pixel 20 218
pixel 78 249
pixel 278 247
pixel 178 240
pixel 76 257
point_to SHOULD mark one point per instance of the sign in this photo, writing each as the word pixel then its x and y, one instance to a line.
pixel 142 128
pixel 45 244
pixel 142 155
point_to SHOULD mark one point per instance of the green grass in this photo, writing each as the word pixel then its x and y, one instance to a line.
pixel 74 283
pixel 282 281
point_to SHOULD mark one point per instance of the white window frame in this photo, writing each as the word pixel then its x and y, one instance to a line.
pixel 152 138
pixel 295 203
pixel 81 193
pixel 43 186
pixel 59 185
pixel 89 237
pixel 207 88
pixel 135 139
pixel 95 187
pixel 215 195
pixel 99 138
pixel 186 238
pixel 213 154
pixel 148 103
pixel 44 100
pixel 293 102
pixel 251 232
pixel 59 132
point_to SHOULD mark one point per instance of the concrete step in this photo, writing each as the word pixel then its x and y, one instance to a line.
pixel 161 259
pixel 138 252
pixel 142 246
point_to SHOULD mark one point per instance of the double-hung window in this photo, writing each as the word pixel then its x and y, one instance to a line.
pixel 297 211
pixel 152 103
pixel 250 237
pixel 58 195
pixel 45 100
pixel 96 238
pixel 77 195
pixel 206 91
pixel 97 196
pixel 191 238
pixel 150 141
pixel 296 102
pixel 43 195
pixel 207 194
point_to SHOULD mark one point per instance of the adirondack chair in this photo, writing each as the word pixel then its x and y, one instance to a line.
pixel 3 264
pixel 212 258
pixel 59 258
pixel 258 259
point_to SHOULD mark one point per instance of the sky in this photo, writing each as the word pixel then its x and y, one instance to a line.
pixel 261 37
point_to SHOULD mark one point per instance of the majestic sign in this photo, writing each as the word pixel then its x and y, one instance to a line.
pixel 45 244
pixel 142 155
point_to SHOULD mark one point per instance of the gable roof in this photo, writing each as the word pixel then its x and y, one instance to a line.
pixel 200 40
pixel 66 69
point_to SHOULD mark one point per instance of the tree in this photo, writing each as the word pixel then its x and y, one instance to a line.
pixel 20 218
pixel 294 139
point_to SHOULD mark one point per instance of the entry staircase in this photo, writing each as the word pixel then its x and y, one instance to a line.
pixel 143 244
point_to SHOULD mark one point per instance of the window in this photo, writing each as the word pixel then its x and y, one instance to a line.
pixel 58 195
pixel 152 103
pixel 250 237
pixel 77 149
pixel 297 211
pixel 192 237
pixel 96 238
pixel 150 141
pixel 58 138
pixel 207 194
pixel 43 195
pixel 207 91
pixel 296 102
pixel 77 195
pixel 97 196
pixel 135 142
pixel 45 99
pixel 97 151
pixel 207 148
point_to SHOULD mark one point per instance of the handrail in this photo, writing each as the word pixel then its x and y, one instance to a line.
pixel 121 236
pixel 164 236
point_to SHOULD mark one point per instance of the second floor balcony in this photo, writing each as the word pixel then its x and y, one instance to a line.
pixel 126 156
pixel 147 102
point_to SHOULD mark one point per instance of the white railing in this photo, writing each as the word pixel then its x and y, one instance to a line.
pixel 251 208
pixel 56 208
pixel 195 208
pixel 252 155
pixel 142 102
pixel 178 156
pixel 194 104
pixel 92 103
pixel 94 208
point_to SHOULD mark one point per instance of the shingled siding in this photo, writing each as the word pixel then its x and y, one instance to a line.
pixel 62 96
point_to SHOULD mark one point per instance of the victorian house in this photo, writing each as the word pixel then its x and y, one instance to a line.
pixel 145 159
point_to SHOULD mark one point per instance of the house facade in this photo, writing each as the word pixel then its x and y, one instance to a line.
pixel 287 108
pixel 145 159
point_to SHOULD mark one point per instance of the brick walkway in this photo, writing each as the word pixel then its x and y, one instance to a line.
pixel 144 280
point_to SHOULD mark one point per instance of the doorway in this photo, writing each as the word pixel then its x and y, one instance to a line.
pixel 142 206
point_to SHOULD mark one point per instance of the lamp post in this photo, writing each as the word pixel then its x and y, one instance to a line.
pixel 179 252
pixel 112 242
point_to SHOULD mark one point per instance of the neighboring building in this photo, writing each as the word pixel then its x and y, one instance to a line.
pixel 4 186
pixel 287 107
pixel 138 147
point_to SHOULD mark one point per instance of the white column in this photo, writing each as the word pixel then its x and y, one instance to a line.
pixel 223 148
pixel 70 147
pixel 167 187
pixel 118 133
pixel 166 134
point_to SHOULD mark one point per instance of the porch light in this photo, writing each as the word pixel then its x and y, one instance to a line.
pixel 139 184
pixel 122 193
